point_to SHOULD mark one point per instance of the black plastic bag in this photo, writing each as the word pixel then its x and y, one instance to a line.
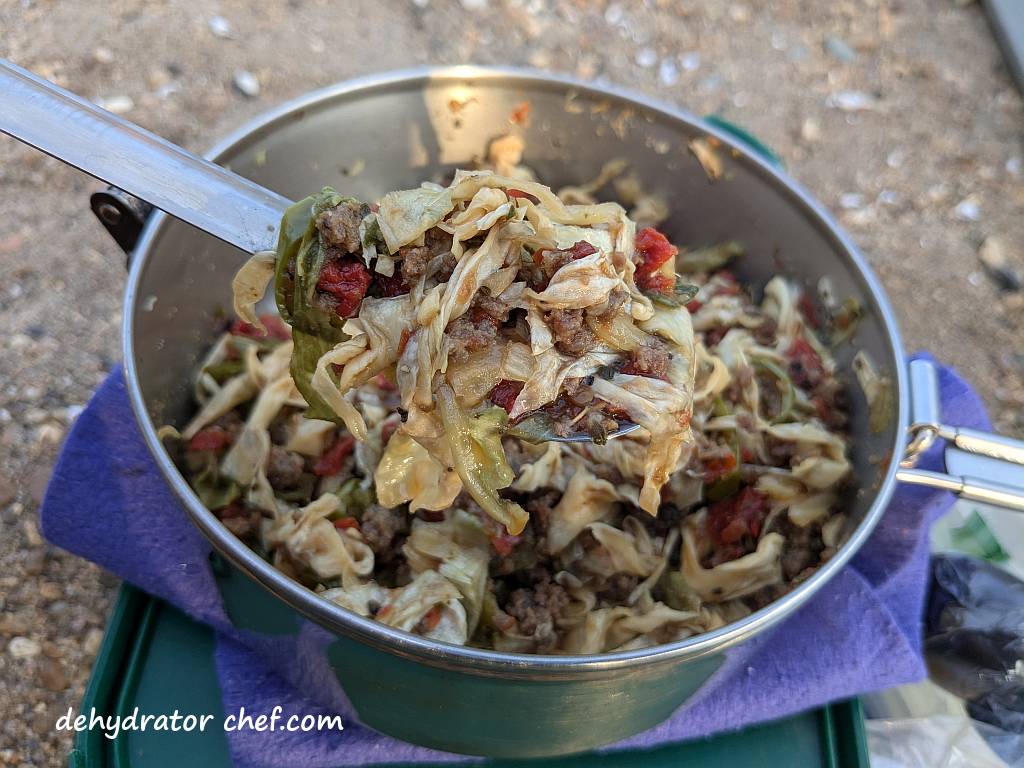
pixel 974 642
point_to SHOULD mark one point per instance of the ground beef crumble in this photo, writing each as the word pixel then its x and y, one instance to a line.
pixel 535 611
pixel 478 328
pixel 415 261
pixel 339 226
pixel 568 326
pixel 284 468
pixel 380 527
pixel 651 360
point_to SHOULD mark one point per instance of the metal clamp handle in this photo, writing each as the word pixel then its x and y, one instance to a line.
pixel 990 478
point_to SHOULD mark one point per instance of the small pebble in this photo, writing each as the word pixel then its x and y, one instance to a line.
pixel 779 41
pixel 889 197
pixel 810 130
pixel 690 61
pixel 851 200
pixel 474 5
pixel 992 254
pixel 613 14
pixel 13 624
pixel 1013 165
pixel 668 74
pixel 246 83
pixel 35 561
pixel 72 412
pixel 48 435
pixel 51 675
pixel 851 101
pixel 968 209
pixel 92 641
pixel 32 537
pixel 35 416
pixel 103 55
pixel 839 49
pixel 646 57
pixel 23 647
pixel 221 27
pixel 50 591
pixel 119 105
pixel 739 13
pixel 894 159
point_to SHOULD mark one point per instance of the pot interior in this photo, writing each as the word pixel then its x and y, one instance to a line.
pixel 370 138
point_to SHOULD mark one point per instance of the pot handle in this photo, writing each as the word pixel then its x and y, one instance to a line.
pixel 979 466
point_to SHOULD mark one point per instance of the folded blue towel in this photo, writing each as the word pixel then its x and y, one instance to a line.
pixel 108 502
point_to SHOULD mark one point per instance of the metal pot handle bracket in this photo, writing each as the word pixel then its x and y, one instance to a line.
pixel 978 466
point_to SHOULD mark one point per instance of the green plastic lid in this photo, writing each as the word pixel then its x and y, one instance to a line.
pixel 155 659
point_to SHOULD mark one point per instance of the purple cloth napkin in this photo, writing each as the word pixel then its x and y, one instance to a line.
pixel 107 502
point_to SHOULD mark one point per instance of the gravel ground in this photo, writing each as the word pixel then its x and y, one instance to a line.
pixel 896 113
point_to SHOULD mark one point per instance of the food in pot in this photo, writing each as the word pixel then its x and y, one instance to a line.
pixel 383 441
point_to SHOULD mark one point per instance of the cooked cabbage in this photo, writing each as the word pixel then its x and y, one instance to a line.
pixel 393 456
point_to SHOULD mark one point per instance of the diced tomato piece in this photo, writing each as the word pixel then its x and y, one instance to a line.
pixel 655 282
pixel 431 515
pixel 653 250
pixel 391 286
pixel 385 383
pixel 518 193
pixel 743 514
pixel 694 306
pixel 330 463
pixel 431 619
pixel 347 281
pixel 210 439
pixel 276 328
pixel 581 249
pixel 505 393
pixel 805 365
pixel 746 454
pixel 717 467
pixel 807 309
pixel 504 543
pixel 345 523
pixel 387 431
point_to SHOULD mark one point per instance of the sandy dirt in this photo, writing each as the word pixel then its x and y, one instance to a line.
pixel 898 115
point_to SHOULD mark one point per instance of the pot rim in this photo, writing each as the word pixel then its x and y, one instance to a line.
pixel 462 658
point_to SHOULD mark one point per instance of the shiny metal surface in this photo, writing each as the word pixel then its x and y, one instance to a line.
pixel 401 128
pixel 625 427
pixel 978 466
pixel 121 153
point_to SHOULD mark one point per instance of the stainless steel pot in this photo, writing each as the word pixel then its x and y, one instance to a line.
pixel 392 131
